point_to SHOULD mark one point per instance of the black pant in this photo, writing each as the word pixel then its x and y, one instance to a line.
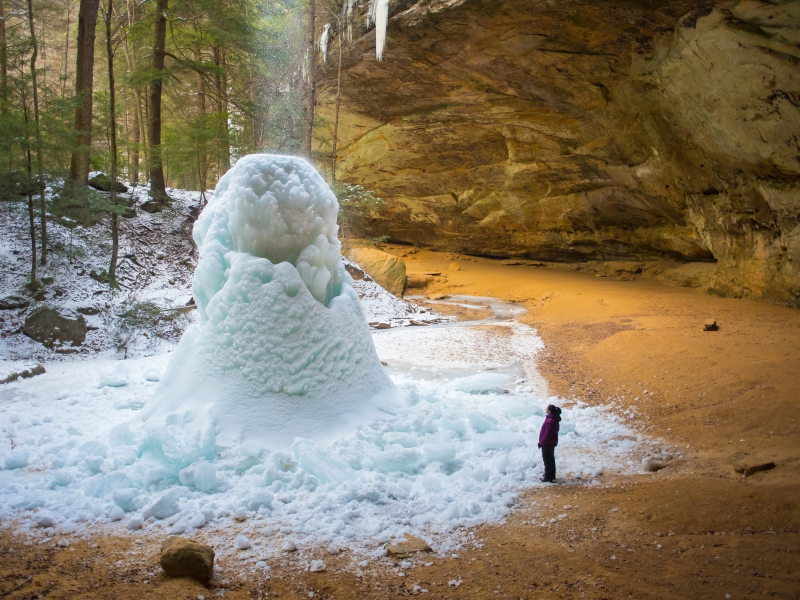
pixel 549 458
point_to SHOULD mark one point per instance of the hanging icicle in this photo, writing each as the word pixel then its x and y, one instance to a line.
pixel 348 18
pixel 381 20
pixel 370 13
pixel 323 42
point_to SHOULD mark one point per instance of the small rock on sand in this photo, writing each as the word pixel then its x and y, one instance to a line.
pixel 181 557
pixel 710 325
pixel 454 267
pixel 653 464
pixel 408 546
pixel 752 469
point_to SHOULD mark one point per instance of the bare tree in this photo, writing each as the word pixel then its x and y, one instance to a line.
pixel 39 159
pixel 158 185
pixel 84 86
pixel 29 188
pixel 311 84
pixel 138 136
pixel 112 268
pixel 3 62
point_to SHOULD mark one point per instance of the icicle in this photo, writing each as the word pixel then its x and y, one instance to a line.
pixel 323 42
pixel 381 20
pixel 370 13
pixel 349 19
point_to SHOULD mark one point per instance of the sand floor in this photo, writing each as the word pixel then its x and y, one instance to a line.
pixel 693 530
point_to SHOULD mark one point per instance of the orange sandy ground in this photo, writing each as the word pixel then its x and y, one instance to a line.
pixel 694 530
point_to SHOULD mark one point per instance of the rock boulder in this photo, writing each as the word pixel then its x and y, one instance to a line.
pixel 181 557
pixel 407 546
pixel 55 326
pixel 388 270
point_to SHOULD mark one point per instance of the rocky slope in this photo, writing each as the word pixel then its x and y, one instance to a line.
pixel 576 130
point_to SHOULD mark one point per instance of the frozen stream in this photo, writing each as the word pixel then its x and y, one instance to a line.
pixel 452 452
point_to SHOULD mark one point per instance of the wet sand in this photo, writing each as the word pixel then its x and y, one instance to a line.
pixel 693 530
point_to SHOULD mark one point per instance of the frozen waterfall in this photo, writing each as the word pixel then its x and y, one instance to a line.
pixel 281 349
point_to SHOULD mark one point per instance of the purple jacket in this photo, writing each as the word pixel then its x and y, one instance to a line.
pixel 548 436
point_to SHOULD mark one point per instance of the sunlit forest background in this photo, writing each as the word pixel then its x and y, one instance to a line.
pixel 228 76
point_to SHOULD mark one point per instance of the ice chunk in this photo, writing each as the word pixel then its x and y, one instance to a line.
pixel 317 566
pixel 205 478
pixel 197 521
pixel 117 375
pixel 242 543
pixel 482 422
pixel 153 374
pixel 324 465
pixel 121 435
pixel 440 451
pixel 44 520
pixel 259 498
pixel 17 459
pixel 179 527
pixel 60 479
pixel 94 448
pixel 165 506
pixel 125 498
pixel 282 348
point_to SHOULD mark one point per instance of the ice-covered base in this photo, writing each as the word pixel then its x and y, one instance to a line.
pixel 455 452
pixel 282 348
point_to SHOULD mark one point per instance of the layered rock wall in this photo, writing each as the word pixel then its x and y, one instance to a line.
pixel 577 130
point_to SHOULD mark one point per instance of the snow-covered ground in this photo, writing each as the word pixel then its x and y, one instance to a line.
pixel 452 450
pixel 156 262
pixel 453 453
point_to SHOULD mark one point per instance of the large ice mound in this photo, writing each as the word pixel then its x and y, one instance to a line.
pixel 282 348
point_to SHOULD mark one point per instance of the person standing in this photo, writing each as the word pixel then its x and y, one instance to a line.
pixel 548 440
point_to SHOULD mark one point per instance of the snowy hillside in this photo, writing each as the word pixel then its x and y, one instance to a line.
pixel 156 264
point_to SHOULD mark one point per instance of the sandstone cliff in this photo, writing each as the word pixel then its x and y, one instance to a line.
pixel 577 130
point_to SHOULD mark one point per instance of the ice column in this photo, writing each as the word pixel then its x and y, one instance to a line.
pixel 281 349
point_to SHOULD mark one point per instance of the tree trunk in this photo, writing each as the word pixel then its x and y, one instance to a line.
pixel 158 186
pixel 31 215
pixel 3 63
pixel 66 54
pixel 112 268
pixel 42 42
pixel 140 147
pixel 34 284
pixel 336 118
pixel 135 135
pixel 39 159
pixel 84 84
pixel 312 80
pixel 226 136
pixel 251 88
pixel 223 143
pixel 202 149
